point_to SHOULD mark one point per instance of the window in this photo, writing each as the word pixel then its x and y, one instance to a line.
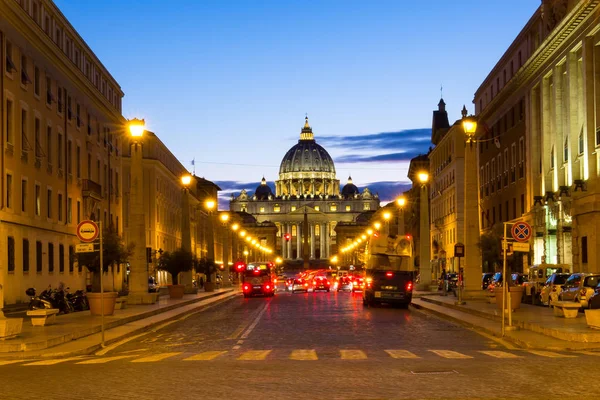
pixel 10 65
pixel 293 208
pixel 36 81
pixel 78 162
pixel 38 205
pixel 69 157
pixel 78 211
pixel 317 208
pixel 60 209
pixel 261 209
pixel 24 75
pixel 50 257
pixel 24 146
pixel 38 257
pixel 59 151
pixel 69 112
pixel 11 254
pixel 348 208
pixel 8 190
pixel 333 207
pixel 566 150
pixel 25 255
pixel 71 259
pixel 38 139
pixel 580 141
pixel 49 96
pixel 49 202
pixel 60 100
pixel 276 208
pixel 367 206
pixel 9 121
pixel 49 145
pixel 294 230
pixel 23 195
pixel 552 158
pixel 317 230
pixel 78 115
pixel 69 210
pixel 61 258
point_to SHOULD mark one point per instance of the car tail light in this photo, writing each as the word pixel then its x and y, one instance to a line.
pixel 314 282
pixel 306 284
pixel 268 287
pixel 389 274
pixel 275 280
pixel 246 288
pixel 409 286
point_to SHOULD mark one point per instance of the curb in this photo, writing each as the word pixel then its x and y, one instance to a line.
pixel 216 298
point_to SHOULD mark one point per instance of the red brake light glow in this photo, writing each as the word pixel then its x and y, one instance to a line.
pixel 409 286
pixel 389 274
pixel 268 287
pixel 246 287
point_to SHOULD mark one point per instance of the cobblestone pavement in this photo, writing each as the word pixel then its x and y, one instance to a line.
pixel 303 346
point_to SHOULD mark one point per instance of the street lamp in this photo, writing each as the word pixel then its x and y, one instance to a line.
pixel 386 216
pixel 138 276
pixel 401 202
pixel 186 238
pixel 424 239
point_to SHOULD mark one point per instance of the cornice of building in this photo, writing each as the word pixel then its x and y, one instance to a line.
pixel 552 46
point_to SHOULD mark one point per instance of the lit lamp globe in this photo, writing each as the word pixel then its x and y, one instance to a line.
pixel 210 204
pixel 186 180
pixel 470 126
pixel 401 201
pixel 137 127
pixel 235 227
pixel 377 225
pixel 423 177
pixel 387 215
pixel 224 217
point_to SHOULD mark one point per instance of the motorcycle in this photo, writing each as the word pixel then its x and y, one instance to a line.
pixel 78 300
pixel 49 298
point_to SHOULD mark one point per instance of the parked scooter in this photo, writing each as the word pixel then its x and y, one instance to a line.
pixel 49 298
pixel 78 300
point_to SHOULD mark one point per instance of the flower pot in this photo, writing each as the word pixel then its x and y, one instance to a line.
pixel 176 291
pixel 109 299
pixel 209 287
pixel 516 294
pixel 592 317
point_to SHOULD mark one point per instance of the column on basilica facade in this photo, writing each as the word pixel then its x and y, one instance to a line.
pixel 312 241
pixel 289 244
pixel 283 249
pixel 322 241
pixel 298 241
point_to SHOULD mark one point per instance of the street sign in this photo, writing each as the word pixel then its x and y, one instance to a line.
pixel 459 250
pixel 521 231
pixel 87 231
pixel 84 248
pixel 522 247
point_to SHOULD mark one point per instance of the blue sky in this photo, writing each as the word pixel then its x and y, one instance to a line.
pixel 228 83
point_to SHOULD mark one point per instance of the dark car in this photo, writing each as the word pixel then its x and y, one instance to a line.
pixel 594 300
pixel 486 279
pixel 320 282
pixel 344 283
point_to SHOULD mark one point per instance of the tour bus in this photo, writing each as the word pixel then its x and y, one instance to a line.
pixel 258 279
pixel 389 273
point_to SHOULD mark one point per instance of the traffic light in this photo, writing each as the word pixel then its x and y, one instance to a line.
pixel 287 237
pixel 240 266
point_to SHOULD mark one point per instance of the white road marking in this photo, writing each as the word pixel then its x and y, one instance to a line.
pixel 254 355
pixel 550 354
pixel 7 362
pixel 156 357
pixel 103 360
pixel 353 355
pixel 401 354
pixel 205 356
pixel 115 345
pixel 303 355
pixel 53 361
pixel 500 354
pixel 255 322
pixel 450 354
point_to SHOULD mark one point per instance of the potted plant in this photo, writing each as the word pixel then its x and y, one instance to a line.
pixel 209 268
pixel 114 252
pixel 174 263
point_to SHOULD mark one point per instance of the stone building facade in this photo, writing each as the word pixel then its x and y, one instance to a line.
pixel 60 157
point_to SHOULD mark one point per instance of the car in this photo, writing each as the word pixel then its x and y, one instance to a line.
pixel 537 277
pixel 486 278
pixel 551 288
pixel 320 282
pixel 299 285
pixel 594 300
pixel 343 283
pixel 579 288
pixel 496 282
pixel 289 282
pixel 358 284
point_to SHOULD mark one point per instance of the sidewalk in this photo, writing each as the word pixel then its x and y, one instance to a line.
pixel 537 327
pixel 79 333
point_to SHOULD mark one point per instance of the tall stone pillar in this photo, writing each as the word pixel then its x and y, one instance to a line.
pixel 424 240
pixel 289 244
pixel 472 259
pixel 283 242
pixel 138 275
pixel 312 241
pixel 322 241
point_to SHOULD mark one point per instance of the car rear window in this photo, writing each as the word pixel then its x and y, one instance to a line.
pixel 560 279
pixel 591 281
pixel 574 280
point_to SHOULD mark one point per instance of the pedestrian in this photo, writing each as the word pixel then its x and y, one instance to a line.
pixel 201 282
pixel 444 279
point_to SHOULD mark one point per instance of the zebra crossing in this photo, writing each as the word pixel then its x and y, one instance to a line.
pixel 300 355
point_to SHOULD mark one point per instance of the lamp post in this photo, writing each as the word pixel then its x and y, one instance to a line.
pixel 400 202
pixel 471 274
pixel 186 238
pixel 138 276
pixel 210 205
pixel 386 217
pixel 424 239
pixel 224 217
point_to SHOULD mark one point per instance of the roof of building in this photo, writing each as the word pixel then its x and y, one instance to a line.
pixel 263 191
pixel 307 155
pixel 349 189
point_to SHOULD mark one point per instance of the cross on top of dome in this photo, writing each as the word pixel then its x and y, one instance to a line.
pixel 306 133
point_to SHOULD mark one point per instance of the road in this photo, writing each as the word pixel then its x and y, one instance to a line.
pixel 304 346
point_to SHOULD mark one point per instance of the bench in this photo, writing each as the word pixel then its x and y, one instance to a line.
pixel 566 309
pixel 43 317
pixel 120 303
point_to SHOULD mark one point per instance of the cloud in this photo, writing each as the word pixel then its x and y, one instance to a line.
pixel 400 140
pixel 404 156
pixel 387 190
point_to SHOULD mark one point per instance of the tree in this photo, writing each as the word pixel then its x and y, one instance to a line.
pixel 176 262
pixel 114 251
pixel 208 267
pixel 490 244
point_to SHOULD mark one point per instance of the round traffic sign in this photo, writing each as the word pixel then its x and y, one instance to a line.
pixel 87 231
pixel 521 231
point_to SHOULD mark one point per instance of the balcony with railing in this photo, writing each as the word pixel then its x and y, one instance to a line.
pixel 91 189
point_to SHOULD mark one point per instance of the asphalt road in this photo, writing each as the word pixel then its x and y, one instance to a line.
pixel 306 346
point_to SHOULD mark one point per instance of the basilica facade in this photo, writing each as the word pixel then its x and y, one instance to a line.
pixel 307 203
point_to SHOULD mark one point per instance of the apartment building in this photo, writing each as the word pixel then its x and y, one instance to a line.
pixel 541 108
pixel 60 155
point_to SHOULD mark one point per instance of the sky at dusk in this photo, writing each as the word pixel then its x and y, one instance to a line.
pixel 228 83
